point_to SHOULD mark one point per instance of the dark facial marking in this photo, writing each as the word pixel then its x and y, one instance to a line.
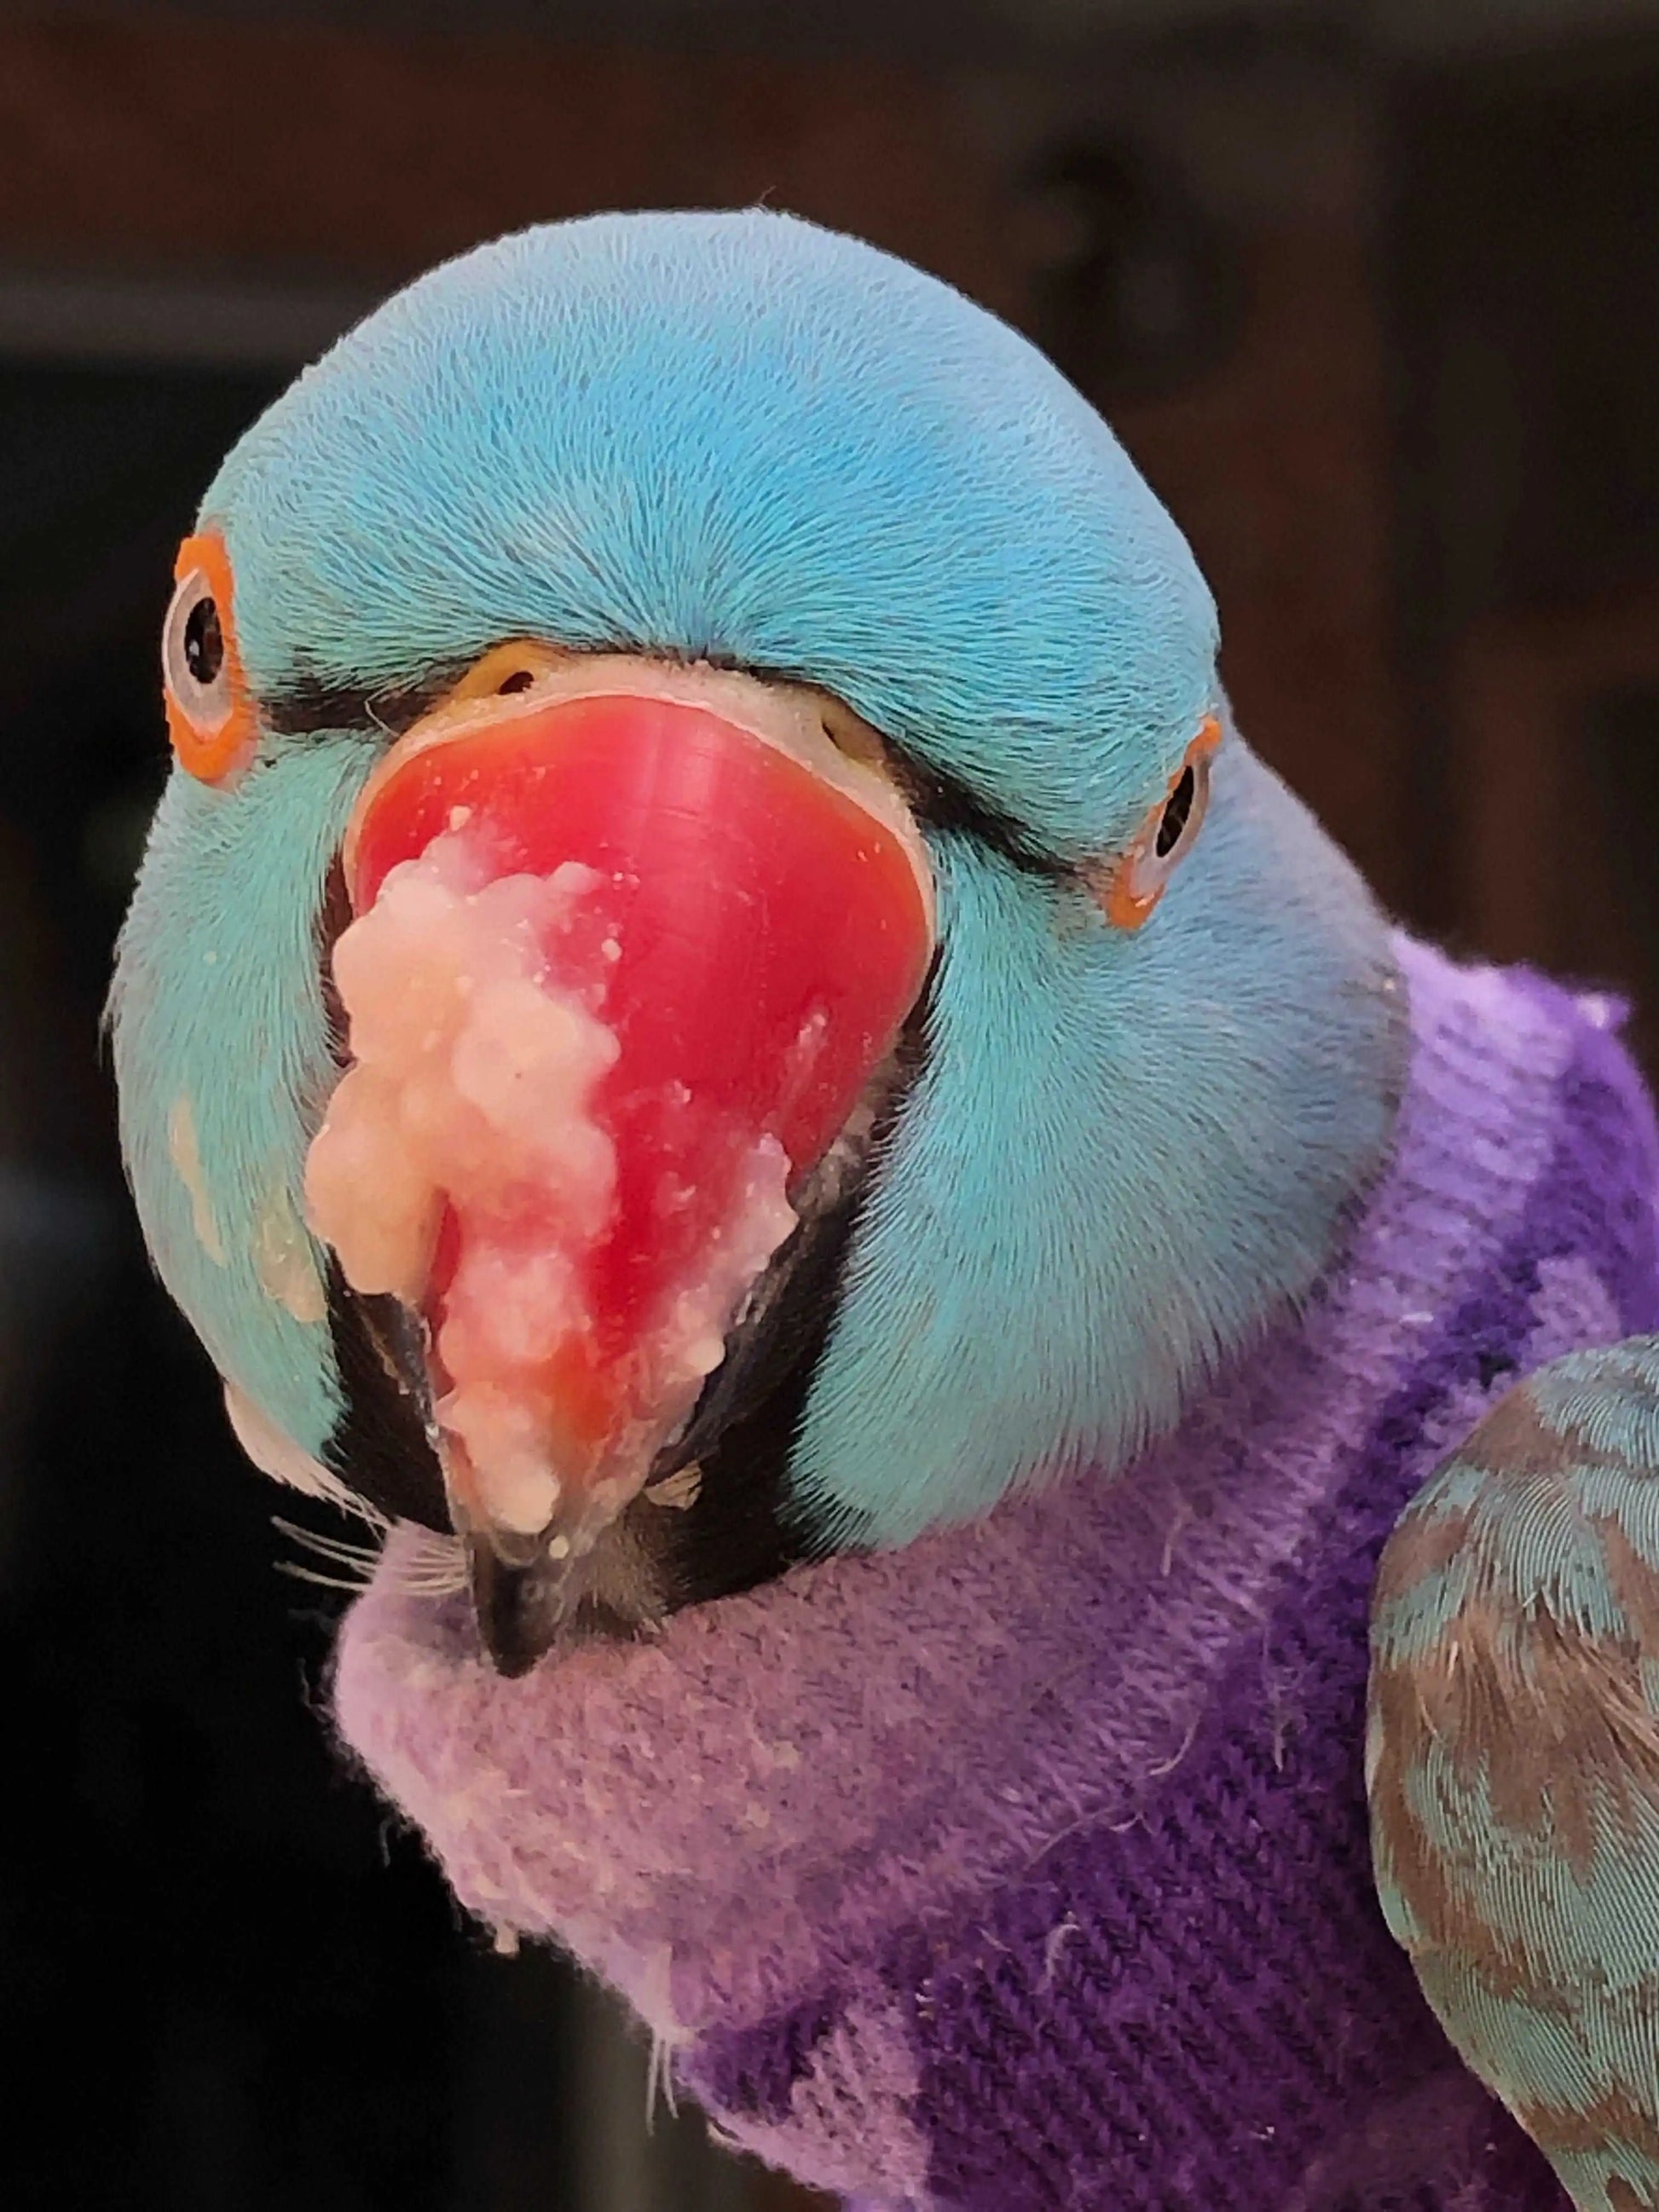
pixel 380 1448
pixel 307 707
pixel 737 1532
pixel 942 802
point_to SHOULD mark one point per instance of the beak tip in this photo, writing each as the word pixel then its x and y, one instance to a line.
pixel 521 1607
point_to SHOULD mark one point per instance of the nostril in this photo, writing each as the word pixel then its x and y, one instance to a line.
pixel 520 680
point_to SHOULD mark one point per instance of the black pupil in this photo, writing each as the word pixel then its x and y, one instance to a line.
pixel 1176 816
pixel 204 642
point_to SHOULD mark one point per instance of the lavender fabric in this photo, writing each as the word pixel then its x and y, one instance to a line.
pixel 1028 1868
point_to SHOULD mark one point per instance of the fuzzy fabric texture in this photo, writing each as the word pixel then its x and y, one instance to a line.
pixel 1028 1867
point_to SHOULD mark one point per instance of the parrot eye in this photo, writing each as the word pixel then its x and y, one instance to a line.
pixel 205 642
pixel 1128 891
pixel 1176 818
pixel 194 652
pixel 209 713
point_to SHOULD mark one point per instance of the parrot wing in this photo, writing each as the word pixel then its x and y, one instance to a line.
pixel 1512 1760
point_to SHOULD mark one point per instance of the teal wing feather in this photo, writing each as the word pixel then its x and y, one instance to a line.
pixel 1513 1761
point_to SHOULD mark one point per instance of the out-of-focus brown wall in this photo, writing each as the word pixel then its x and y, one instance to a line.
pixel 205 149
pixel 1523 287
pixel 1275 461
pixel 204 145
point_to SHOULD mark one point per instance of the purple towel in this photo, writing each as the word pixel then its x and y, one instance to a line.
pixel 1028 1868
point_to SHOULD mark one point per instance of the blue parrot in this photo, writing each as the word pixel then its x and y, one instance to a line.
pixel 728 489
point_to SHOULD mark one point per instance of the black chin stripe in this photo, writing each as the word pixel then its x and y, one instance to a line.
pixel 738 1531
pixel 380 1448
pixel 735 1533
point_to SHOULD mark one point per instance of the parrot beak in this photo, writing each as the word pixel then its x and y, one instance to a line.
pixel 629 945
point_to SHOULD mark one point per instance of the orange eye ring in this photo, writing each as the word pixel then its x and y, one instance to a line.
pixel 211 716
pixel 1129 887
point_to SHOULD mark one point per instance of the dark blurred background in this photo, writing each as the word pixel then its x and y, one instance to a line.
pixel 1372 294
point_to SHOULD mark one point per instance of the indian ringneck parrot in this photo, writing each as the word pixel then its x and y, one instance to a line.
pixel 713 986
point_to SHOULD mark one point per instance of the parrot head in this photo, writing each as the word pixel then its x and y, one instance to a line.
pixel 711 983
